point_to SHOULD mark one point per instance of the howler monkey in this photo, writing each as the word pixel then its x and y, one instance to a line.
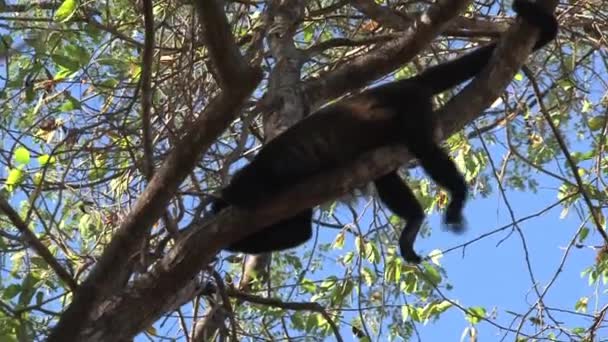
pixel 399 112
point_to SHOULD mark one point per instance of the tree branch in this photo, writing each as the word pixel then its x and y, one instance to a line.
pixel 508 58
pixel 112 265
pixel 222 48
pixel 387 58
pixel 382 14
pixel 149 296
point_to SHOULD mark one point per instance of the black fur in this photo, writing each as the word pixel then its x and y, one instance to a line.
pixel 394 113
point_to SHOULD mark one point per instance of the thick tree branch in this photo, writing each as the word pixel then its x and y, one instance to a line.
pixel 223 50
pixel 104 278
pixel 387 58
pixel 152 202
pixel 508 58
pixel 149 297
pixel 283 89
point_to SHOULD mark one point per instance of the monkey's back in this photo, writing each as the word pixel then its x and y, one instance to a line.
pixel 331 137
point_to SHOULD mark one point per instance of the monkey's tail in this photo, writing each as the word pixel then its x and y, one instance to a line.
pixel 447 75
pixel 540 17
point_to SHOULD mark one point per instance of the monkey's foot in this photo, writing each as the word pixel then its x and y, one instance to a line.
pixel 407 252
pixel 454 221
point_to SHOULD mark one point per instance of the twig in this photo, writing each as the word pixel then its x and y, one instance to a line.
pixel 564 148
pixel 33 242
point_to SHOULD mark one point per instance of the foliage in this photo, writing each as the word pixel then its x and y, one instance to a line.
pixel 73 165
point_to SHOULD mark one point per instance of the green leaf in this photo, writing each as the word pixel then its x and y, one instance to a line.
pixel 475 314
pixel 583 234
pixel 308 286
pixel 391 272
pixel 586 106
pixel 309 33
pixel 343 291
pixel 46 159
pixel 15 177
pixel 66 10
pixel 313 321
pixel 28 289
pixel 72 65
pixel 297 320
pixel 579 330
pixel 372 253
pixel 405 312
pixel 339 241
pixel 11 291
pixel 597 122
pixel 394 220
pixel 70 104
pixel 78 53
pixel 431 274
pixel 5 43
pixel 85 225
pixel 359 244
pixel 63 73
pixel 368 276
pixel 22 155
pixel 410 283
pixel 581 304
pixel 37 178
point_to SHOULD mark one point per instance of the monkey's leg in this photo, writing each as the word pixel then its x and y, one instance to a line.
pixel 440 167
pixel 418 135
pixel 282 235
pixel 400 199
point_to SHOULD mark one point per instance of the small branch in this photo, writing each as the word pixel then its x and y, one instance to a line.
pixel 32 241
pixel 225 303
pixel 339 42
pixel 597 323
pixel 295 306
